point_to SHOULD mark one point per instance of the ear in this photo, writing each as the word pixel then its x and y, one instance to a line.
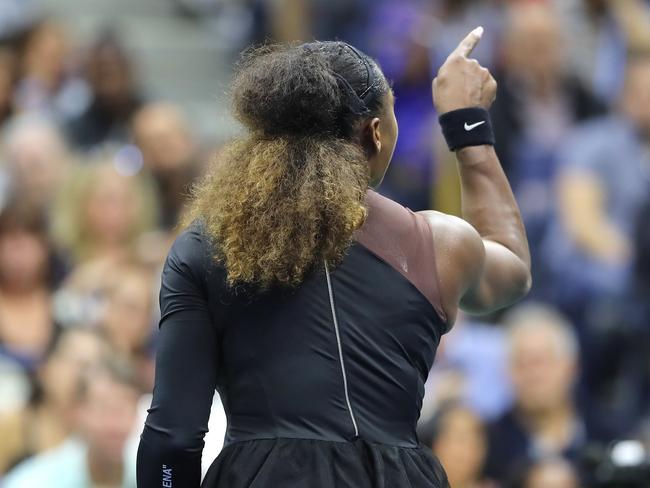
pixel 375 134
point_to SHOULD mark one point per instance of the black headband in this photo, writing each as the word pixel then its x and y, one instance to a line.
pixel 371 78
pixel 358 102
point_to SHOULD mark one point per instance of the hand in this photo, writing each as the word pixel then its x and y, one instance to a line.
pixel 463 82
pixel 611 247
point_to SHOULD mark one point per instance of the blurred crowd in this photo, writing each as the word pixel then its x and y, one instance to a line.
pixel 95 173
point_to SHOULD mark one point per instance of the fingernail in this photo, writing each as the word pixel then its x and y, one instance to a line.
pixel 479 31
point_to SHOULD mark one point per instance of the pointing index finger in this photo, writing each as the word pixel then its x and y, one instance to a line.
pixel 468 44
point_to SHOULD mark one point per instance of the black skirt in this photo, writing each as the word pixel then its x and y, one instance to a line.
pixel 307 463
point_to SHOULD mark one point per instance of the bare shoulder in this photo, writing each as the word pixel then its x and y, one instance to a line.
pixel 454 234
pixel 460 256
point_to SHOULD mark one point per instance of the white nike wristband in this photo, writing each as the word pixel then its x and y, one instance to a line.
pixel 467 127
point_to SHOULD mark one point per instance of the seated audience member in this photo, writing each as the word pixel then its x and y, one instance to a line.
pixel 114 93
pixel 46 420
pixel 26 319
pixel 97 454
pixel 35 159
pixel 470 356
pixel 452 18
pixel 544 420
pixel 539 98
pixel 539 102
pixel 169 154
pixel 46 83
pixel 101 218
pixel 601 186
pixel 602 32
pixel 128 320
pixel 458 438
pixel 101 213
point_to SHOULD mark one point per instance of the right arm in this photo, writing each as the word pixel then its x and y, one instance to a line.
pixel 483 259
pixel 490 207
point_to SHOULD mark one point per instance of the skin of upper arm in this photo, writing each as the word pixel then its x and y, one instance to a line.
pixel 475 274
pixel 460 258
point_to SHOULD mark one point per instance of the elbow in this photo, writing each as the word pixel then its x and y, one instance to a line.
pixel 185 444
pixel 173 442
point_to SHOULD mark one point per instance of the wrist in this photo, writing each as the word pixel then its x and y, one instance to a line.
pixel 475 155
pixel 467 127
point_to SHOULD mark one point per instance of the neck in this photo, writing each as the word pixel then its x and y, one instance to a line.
pixel 108 249
pixel 104 472
pixel 546 417
pixel 552 426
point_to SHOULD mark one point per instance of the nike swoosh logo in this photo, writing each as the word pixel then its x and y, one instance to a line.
pixel 469 127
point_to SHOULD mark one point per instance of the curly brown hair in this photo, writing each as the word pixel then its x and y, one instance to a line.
pixel 293 190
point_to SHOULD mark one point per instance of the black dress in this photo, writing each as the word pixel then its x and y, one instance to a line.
pixel 322 386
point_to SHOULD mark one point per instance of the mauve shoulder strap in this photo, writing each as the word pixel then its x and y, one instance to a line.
pixel 404 240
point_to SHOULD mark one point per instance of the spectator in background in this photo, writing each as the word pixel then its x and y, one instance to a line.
pixel 459 440
pixel 539 99
pixel 115 97
pixel 128 319
pixel 544 420
pixel 602 32
pixel 169 154
pixel 603 181
pixel 452 18
pixel 100 220
pixel 46 83
pixel 470 356
pixel 97 454
pixel 46 420
pixel 539 103
pixel 102 212
pixel 26 319
pixel 35 159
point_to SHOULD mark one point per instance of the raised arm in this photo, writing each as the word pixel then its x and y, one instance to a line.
pixel 483 259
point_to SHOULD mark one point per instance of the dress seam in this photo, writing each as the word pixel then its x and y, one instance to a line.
pixel 328 441
pixel 340 350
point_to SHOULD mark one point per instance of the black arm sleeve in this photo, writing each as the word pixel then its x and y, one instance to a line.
pixel 171 444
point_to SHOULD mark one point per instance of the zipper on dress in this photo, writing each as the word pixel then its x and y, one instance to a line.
pixel 340 348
